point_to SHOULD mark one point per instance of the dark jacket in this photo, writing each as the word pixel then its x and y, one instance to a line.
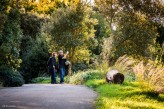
pixel 61 61
pixel 51 62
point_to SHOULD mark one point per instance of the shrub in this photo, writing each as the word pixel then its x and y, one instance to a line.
pixel 79 67
pixel 10 78
pixel 102 66
pixel 35 60
pixel 41 80
pixel 82 77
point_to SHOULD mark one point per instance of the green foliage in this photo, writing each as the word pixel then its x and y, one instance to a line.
pixel 136 27
pixel 82 77
pixel 34 48
pixel 35 60
pixel 135 36
pixel 31 24
pixel 4 5
pixel 10 78
pixel 102 31
pixel 3 18
pixel 11 35
pixel 70 29
pixel 79 67
pixel 41 80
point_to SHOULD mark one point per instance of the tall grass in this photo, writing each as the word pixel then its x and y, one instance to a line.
pixel 124 65
pixel 149 74
pixel 152 74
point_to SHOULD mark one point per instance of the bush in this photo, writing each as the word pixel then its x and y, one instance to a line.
pixel 35 60
pixel 10 78
pixel 41 80
pixel 79 67
pixel 82 77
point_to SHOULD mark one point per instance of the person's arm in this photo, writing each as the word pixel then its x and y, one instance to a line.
pixel 48 62
pixel 54 66
pixel 65 56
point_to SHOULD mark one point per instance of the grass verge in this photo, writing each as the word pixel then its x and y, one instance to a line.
pixel 126 96
pixel 47 80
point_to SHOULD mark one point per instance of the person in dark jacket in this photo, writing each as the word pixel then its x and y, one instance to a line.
pixel 62 60
pixel 52 67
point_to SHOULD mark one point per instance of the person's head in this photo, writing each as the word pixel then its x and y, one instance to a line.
pixel 54 54
pixel 60 52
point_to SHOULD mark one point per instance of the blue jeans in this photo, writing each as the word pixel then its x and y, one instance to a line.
pixel 62 74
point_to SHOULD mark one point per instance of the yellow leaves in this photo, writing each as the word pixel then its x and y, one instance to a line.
pixel 81 55
pixel 141 17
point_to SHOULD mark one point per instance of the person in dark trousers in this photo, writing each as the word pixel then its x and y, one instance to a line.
pixel 52 67
pixel 62 66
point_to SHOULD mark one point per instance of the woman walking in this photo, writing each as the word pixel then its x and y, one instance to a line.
pixel 52 67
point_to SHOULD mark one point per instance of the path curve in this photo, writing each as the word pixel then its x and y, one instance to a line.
pixel 47 96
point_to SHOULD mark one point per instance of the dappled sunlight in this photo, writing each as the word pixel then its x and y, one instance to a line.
pixel 125 97
pixel 114 47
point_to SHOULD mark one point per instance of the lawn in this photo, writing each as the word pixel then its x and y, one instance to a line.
pixel 47 80
pixel 125 96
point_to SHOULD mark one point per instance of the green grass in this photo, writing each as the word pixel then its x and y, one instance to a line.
pixel 41 80
pixel 126 96
pixel 47 80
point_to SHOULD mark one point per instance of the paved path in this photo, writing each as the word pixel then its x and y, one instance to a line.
pixel 47 96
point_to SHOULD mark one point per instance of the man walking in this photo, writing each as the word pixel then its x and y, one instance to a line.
pixel 62 60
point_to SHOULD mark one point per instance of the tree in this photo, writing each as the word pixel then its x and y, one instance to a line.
pixel 137 23
pixel 102 31
pixel 109 8
pixel 45 6
pixel 10 45
pixel 34 48
pixel 10 38
pixel 35 59
pixel 4 5
pixel 71 28
pixel 135 36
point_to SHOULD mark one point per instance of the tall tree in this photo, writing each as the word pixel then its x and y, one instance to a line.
pixel 71 30
pixel 11 37
pixel 137 22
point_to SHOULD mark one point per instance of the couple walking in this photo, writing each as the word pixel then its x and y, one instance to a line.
pixel 53 66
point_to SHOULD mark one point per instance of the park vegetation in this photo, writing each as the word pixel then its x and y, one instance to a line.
pixel 126 35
